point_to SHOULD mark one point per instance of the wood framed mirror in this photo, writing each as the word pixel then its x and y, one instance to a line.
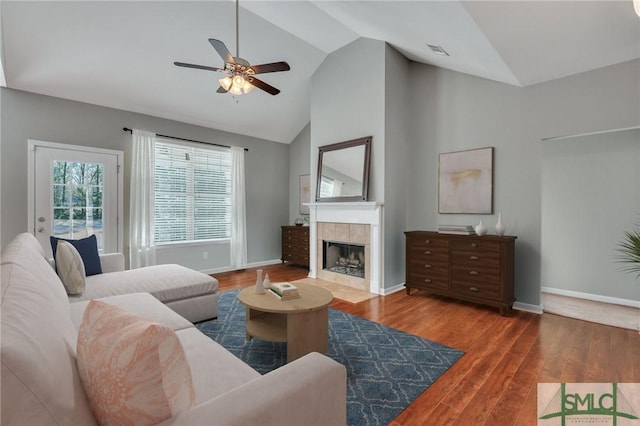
pixel 343 171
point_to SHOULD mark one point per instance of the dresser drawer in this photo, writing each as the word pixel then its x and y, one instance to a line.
pixel 427 280
pixel 475 274
pixel 431 254
pixel 415 242
pixel 475 289
pixel 475 245
pixel 476 260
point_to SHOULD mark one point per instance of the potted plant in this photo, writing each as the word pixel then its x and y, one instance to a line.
pixel 629 252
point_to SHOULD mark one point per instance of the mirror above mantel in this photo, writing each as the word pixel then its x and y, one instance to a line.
pixel 343 171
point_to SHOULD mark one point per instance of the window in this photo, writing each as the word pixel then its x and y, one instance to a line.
pixel 77 200
pixel 330 187
pixel 193 193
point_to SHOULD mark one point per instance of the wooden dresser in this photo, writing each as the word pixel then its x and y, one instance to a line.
pixel 465 267
pixel 295 245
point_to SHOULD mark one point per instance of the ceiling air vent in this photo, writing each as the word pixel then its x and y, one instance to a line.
pixel 438 50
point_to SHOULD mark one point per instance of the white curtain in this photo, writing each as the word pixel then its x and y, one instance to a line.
pixel 142 247
pixel 238 210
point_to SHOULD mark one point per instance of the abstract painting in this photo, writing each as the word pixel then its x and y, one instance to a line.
pixel 305 193
pixel 465 182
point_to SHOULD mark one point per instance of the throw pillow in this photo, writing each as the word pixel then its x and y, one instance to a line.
pixel 70 268
pixel 134 371
pixel 88 249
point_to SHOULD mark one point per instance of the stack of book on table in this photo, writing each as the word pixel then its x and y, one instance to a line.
pixel 456 229
pixel 284 291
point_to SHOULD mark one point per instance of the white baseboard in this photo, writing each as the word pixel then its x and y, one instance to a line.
pixel 592 307
pixel 520 306
pixel 396 288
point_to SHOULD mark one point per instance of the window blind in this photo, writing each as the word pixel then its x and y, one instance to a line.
pixel 193 193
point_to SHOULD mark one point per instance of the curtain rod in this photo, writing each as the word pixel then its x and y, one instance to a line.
pixel 126 129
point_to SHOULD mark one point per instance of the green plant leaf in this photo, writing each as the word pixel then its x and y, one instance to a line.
pixel 629 252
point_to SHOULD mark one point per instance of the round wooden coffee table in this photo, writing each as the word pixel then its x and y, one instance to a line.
pixel 303 323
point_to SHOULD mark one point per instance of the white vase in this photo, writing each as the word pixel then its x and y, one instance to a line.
pixel 481 229
pixel 259 286
pixel 266 283
pixel 499 225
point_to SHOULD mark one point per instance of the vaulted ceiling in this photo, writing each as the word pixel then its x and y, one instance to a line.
pixel 121 54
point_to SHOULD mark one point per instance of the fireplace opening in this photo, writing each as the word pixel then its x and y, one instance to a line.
pixel 343 258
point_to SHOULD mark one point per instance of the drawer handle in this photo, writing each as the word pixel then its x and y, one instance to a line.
pixel 473 272
pixel 473 289
pixel 427 280
pixel 473 257
pixel 426 265
pixel 474 245
pixel 427 252
pixel 427 241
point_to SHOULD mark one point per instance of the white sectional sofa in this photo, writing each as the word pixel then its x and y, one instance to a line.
pixel 190 293
pixel 41 384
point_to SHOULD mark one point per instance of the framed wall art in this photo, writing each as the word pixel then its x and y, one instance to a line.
pixel 305 193
pixel 465 182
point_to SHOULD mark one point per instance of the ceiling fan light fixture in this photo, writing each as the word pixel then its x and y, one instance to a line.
pixel 238 80
pixel 236 85
pixel 225 83
pixel 247 87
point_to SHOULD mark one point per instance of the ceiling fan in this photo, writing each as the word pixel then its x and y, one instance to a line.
pixel 240 77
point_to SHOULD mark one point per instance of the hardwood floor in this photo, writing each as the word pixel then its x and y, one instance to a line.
pixel 495 382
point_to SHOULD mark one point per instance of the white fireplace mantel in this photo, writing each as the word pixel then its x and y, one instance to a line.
pixel 363 212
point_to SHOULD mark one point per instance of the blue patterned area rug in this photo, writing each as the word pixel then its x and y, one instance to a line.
pixel 386 368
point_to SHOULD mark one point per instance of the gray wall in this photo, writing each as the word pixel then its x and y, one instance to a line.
pixel 31 116
pixel 396 173
pixel 363 104
pixel 452 111
pixel 298 165
pixel 347 103
pixel 597 177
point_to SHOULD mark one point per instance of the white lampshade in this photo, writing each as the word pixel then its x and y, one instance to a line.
pixel 247 87
pixel 636 6
pixel 226 83
pixel 236 85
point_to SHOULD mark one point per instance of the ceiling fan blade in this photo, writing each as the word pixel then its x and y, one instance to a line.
pixel 199 67
pixel 221 90
pixel 273 67
pixel 222 51
pixel 264 86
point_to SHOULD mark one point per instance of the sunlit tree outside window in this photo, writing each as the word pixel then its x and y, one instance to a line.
pixel 77 200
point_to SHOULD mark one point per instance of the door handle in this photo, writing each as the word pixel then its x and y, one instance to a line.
pixel 41 230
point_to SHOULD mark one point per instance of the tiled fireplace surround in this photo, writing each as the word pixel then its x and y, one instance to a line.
pixel 348 222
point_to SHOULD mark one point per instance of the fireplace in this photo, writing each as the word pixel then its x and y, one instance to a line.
pixel 354 223
pixel 344 258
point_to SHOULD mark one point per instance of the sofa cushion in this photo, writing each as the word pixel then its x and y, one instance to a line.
pixel 215 369
pixel 134 370
pixel 166 282
pixel 88 249
pixel 142 304
pixel 70 268
pixel 40 381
